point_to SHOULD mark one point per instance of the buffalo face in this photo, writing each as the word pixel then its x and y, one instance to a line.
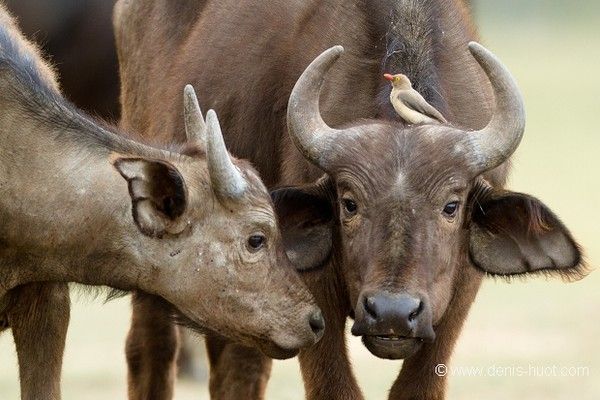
pixel 410 210
pixel 210 230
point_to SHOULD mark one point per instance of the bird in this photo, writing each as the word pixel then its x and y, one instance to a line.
pixel 409 103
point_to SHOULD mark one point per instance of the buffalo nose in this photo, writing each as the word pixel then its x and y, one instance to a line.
pixel 317 323
pixel 402 311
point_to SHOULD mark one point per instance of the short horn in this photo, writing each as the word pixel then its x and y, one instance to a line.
pixel 495 143
pixel 195 127
pixel 226 179
pixel 311 135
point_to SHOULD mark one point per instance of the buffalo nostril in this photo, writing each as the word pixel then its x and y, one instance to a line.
pixel 370 306
pixel 416 312
pixel 317 323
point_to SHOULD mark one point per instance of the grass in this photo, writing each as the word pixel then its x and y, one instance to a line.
pixel 554 52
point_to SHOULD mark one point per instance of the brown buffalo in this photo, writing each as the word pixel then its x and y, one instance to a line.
pixel 81 203
pixel 405 222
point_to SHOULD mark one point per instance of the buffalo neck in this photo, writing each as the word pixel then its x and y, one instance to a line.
pixel 65 209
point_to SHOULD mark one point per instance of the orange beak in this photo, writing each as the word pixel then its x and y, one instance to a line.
pixel 389 77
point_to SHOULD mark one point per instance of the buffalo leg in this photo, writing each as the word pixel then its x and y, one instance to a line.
pixel 325 367
pixel 236 371
pixel 419 379
pixel 151 349
pixel 39 317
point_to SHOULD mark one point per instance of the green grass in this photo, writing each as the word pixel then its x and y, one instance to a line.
pixel 554 53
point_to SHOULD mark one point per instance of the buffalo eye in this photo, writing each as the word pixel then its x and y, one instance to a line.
pixel 451 209
pixel 256 242
pixel 350 206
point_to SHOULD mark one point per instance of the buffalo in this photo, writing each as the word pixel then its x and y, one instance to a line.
pixel 80 202
pixel 390 224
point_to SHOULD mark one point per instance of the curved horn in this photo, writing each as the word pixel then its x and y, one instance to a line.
pixel 226 179
pixel 311 135
pixel 195 127
pixel 495 143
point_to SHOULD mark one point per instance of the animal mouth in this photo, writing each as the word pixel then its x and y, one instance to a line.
pixel 395 338
pixel 392 347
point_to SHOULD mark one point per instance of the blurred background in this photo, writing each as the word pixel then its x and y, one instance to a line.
pixel 553 49
pixel 77 37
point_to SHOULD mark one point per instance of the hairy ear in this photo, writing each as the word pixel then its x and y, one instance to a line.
pixel 513 233
pixel 305 217
pixel 158 195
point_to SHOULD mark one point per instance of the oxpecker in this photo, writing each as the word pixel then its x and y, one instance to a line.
pixel 409 104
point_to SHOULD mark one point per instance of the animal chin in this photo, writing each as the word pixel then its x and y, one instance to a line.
pixel 269 348
pixel 272 350
pixel 392 347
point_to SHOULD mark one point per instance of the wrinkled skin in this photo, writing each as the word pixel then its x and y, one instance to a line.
pixel 414 247
pixel 234 276
pixel 418 247
pixel 80 203
pixel 404 230
pixel 398 245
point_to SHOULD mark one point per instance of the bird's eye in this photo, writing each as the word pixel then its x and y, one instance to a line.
pixel 451 209
pixel 256 242
pixel 350 206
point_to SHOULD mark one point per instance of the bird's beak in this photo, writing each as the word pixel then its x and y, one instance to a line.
pixel 389 77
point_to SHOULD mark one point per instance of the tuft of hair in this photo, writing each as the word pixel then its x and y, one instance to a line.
pixel 567 275
pixel 181 320
pixel 92 293
pixel 538 218
pixel 24 55
pixel 114 294
pixel 410 38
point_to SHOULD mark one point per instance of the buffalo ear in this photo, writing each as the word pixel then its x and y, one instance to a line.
pixel 306 218
pixel 158 195
pixel 514 233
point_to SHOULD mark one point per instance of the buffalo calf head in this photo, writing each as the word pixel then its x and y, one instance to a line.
pixel 209 227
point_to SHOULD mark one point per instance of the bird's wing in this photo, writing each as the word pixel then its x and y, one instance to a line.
pixel 413 100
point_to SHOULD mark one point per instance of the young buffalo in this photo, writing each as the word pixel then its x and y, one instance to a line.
pixel 80 203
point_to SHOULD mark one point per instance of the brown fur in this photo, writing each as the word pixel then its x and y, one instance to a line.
pixel 248 56
pixel 80 202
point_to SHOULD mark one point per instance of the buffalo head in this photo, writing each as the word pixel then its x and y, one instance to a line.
pixel 409 210
pixel 210 218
